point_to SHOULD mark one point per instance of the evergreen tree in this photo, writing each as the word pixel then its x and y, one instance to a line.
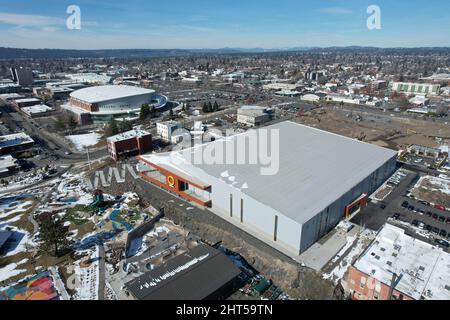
pixel 72 123
pixel 205 108
pixel 216 106
pixel 145 111
pixel 54 235
pixel 210 107
pixel 60 124
pixel 125 126
pixel 112 129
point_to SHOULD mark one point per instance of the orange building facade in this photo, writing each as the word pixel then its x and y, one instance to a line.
pixel 175 183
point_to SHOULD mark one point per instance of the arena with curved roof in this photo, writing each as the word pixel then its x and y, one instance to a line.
pixel 104 103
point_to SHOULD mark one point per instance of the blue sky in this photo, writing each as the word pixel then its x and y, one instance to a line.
pixel 223 23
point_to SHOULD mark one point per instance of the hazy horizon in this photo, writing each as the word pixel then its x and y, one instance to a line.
pixel 202 24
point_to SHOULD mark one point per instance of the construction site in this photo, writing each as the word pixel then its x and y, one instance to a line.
pixel 381 128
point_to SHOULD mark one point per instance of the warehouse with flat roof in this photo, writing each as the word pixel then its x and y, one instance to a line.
pixel 320 179
pixel 203 273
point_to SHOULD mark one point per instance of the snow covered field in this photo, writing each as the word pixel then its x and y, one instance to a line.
pixel 84 140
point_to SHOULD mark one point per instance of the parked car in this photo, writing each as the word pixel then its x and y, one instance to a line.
pixel 428 227
pixel 411 208
pixel 442 243
pixel 435 217
pixel 447 221
pixel 442 219
pixel 383 206
pixel 429 214
pixel 440 207
pixel 435 230
pixel 396 216
pixel 443 233
pixel 415 223
pixel 405 204
pixel 422 226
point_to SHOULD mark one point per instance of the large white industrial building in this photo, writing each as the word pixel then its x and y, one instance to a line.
pixel 103 103
pixel 321 178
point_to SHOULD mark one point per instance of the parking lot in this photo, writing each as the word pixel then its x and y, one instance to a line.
pixel 429 223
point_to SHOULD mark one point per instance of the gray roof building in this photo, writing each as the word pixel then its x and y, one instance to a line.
pixel 316 176
pixel 202 273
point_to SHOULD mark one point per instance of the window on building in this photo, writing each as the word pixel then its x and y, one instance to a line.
pixel 362 282
pixel 377 287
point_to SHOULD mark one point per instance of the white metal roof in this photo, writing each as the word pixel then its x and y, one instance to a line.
pixel 128 135
pixel 25 100
pixel 315 169
pixel 36 109
pixel 424 269
pixel 108 92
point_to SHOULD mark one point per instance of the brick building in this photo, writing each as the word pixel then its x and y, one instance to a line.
pixel 129 143
pixel 411 268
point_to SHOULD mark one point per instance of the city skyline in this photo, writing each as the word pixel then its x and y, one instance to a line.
pixel 222 24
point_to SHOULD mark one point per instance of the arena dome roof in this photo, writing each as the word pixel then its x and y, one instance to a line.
pixel 109 92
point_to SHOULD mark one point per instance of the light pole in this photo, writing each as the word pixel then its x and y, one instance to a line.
pixel 88 159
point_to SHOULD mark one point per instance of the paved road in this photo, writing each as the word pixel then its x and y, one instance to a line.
pixel 101 267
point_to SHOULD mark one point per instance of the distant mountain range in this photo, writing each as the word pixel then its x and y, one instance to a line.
pixel 16 53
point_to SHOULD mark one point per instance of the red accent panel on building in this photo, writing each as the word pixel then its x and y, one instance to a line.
pixel 361 201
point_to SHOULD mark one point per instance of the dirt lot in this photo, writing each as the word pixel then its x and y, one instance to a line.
pixel 382 129
pixel 433 190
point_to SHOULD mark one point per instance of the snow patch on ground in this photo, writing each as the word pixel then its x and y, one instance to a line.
pixel 84 140
pixel 357 245
pixel 16 208
pixel 10 270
